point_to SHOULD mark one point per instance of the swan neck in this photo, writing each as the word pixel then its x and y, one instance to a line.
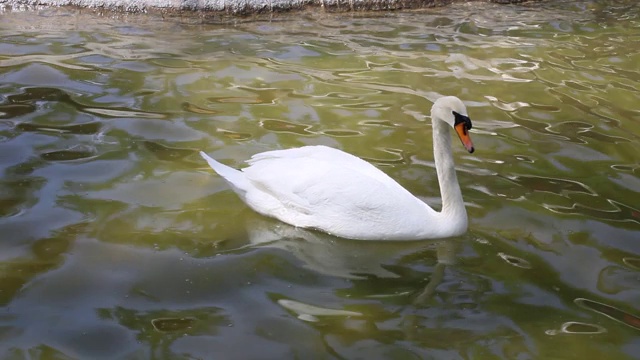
pixel 453 210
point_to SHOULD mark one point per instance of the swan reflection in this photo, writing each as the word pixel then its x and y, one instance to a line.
pixel 333 256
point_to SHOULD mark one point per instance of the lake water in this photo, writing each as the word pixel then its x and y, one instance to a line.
pixel 118 242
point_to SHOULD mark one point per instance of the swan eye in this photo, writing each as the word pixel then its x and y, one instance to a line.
pixel 462 119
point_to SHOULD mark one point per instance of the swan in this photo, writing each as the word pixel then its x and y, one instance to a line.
pixel 326 189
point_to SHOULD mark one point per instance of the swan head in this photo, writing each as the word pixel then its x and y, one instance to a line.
pixel 452 111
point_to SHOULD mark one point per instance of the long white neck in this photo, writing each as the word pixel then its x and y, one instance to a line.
pixel 453 215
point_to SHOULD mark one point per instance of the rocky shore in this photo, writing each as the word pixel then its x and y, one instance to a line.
pixel 236 7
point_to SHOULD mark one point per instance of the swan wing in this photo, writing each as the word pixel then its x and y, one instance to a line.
pixel 327 154
pixel 327 189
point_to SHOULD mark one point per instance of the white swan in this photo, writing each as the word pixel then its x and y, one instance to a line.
pixel 329 190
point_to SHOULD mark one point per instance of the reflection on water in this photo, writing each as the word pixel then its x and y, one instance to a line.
pixel 345 258
pixel 611 312
pixel 577 328
pixel 118 241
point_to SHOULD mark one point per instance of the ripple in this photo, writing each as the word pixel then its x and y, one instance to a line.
pixel 341 133
pixel 592 105
pixel 32 94
pixel 168 324
pixel 62 61
pixel 308 312
pixel 525 158
pixel 615 279
pixel 235 100
pixel 122 112
pixel 79 129
pixel 364 105
pixel 9 111
pixel 552 185
pixel 16 195
pixel 610 312
pixel 234 135
pixel 541 125
pixel 282 126
pixel 618 211
pixel 187 106
pixel 35 94
pixel 196 321
pixel 74 153
pixel 625 167
pixel 515 261
pixel 577 199
pixel 578 328
pixel 167 153
pixel 576 130
pixel 172 63
pixel 506 106
pixel 381 123
pixel 397 157
pixel 633 263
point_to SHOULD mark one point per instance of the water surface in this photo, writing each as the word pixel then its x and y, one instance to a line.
pixel 117 241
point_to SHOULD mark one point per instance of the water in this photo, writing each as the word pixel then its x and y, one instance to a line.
pixel 118 241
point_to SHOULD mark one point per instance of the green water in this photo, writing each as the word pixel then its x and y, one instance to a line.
pixel 117 241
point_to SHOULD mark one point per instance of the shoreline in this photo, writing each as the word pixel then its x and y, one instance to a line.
pixel 237 7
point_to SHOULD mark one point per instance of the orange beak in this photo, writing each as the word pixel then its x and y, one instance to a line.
pixel 463 134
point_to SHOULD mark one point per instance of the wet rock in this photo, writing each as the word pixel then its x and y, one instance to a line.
pixel 237 7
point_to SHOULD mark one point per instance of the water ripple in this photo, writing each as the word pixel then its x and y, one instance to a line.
pixel 610 312
pixel 578 328
pixel 113 230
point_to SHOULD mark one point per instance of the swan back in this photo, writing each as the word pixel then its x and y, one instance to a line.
pixel 327 189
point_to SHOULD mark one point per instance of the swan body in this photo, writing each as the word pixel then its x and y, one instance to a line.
pixel 330 190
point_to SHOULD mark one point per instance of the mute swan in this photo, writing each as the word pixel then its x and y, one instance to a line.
pixel 329 190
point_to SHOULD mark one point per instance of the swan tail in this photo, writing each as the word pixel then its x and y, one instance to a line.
pixel 234 177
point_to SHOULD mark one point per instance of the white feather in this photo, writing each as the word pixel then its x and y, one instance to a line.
pixel 338 193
